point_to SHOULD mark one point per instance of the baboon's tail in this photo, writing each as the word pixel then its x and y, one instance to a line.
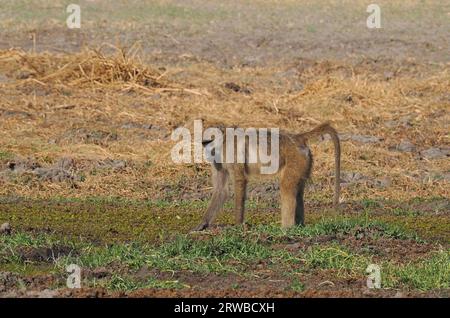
pixel 320 130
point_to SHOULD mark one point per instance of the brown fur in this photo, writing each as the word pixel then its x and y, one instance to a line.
pixel 294 169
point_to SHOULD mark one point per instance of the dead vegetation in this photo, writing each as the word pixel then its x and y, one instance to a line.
pixel 89 68
pixel 92 106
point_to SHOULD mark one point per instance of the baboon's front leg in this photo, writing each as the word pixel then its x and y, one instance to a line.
pixel 240 189
pixel 220 193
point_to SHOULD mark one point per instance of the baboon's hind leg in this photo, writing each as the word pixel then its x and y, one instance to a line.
pixel 288 195
pixel 220 193
pixel 292 187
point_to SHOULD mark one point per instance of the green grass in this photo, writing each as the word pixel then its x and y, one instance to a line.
pixel 234 250
pixel 426 274
pixel 336 257
pixel 118 219
pixel 230 251
pixel 187 251
pixel 6 155
pixel 340 226
pixel 124 283
pixel 130 255
pixel 370 204
pixel 406 212
pixel 22 239
pixel 224 253
pixel 297 286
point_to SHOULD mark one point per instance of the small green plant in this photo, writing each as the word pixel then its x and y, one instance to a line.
pixel 311 28
pixel 297 286
pixel 369 203
pixel 6 155
pixel 405 212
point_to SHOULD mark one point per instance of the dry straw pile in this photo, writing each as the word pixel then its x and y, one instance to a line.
pixel 89 68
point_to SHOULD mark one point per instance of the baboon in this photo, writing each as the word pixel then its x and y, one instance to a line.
pixel 295 162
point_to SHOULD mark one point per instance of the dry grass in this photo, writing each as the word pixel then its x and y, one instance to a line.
pixel 44 97
pixel 89 68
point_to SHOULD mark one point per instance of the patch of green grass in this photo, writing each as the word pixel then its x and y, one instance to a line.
pixel 11 244
pixel 102 219
pixel 24 239
pixel 229 251
pixel 405 212
pixel 297 286
pixel 126 283
pixel 426 274
pixel 6 155
pixel 337 226
pixel 235 250
pixel 27 268
pixel 336 257
pixel 428 227
pixel 311 28
pixel 226 252
pixel 222 253
pixel 131 255
pixel 119 219
pixel 370 203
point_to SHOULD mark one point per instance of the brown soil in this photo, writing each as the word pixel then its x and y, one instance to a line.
pixel 220 286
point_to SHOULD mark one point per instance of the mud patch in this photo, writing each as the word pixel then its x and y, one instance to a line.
pixel 8 281
pixel 44 254
pixel 40 286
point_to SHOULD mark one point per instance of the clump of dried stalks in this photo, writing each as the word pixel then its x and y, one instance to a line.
pixel 86 68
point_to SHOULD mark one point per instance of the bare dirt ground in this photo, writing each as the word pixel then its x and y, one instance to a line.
pixel 86 117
